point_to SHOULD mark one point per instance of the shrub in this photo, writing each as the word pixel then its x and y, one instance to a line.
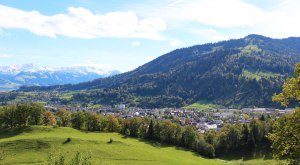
pixel 67 141
pixel 110 140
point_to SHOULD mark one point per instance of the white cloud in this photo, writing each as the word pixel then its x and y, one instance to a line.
pixel 82 23
pixel 136 43
pixel 219 13
pixel 5 56
pixel 231 17
pixel 175 43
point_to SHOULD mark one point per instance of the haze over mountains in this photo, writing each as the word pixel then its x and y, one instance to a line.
pixel 14 76
pixel 239 72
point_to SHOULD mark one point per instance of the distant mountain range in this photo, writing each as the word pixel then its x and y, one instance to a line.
pixel 234 73
pixel 14 76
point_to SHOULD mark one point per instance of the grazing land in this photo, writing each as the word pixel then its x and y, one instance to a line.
pixel 32 145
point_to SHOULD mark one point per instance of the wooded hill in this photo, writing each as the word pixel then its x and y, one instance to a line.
pixel 239 72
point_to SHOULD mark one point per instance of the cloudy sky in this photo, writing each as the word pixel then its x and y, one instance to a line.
pixel 123 35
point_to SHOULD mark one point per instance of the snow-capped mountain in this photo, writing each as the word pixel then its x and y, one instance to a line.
pixel 14 76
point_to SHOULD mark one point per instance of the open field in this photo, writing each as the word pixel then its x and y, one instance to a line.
pixel 32 146
pixel 202 105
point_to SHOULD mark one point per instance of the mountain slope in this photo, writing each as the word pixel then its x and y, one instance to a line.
pixel 14 76
pixel 240 72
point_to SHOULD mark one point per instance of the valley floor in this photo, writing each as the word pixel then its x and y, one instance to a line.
pixel 32 146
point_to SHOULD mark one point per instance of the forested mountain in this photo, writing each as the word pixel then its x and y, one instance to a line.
pixel 14 76
pixel 239 72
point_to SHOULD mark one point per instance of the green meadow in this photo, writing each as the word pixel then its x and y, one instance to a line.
pixel 202 105
pixel 32 145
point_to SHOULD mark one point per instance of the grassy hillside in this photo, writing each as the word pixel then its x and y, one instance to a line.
pixel 32 145
pixel 202 105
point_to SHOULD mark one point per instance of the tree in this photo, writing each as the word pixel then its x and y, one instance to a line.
pixel 36 111
pixel 133 126
pixel 22 114
pixel 291 89
pixel 262 117
pixel 258 130
pixel 168 132
pixel 285 136
pixel 210 138
pixel 1 117
pixel 9 116
pixel 150 131
pixel 78 119
pixel 112 124
pixel 49 118
pixel 245 133
pixel 189 137
pixel 64 117
pixel 92 121
pixel 234 136
pixel 157 129
pixel 250 141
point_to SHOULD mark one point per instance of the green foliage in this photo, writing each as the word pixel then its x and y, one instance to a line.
pixel 78 120
pixel 229 138
pixel 112 124
pixel 291 89
pixel 20 115
pixel 92 121
pixel 285 138
pixel 36 112
pixel 150 131
pixel 64 117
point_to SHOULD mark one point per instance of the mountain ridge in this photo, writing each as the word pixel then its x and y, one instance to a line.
pixel 14 76
pixel 243 72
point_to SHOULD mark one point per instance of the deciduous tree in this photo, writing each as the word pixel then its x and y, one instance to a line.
pixel 49 118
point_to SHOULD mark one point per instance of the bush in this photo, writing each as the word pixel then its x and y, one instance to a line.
pixel 110 140
pixel 67 141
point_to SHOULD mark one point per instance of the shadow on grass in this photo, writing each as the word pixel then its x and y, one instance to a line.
pixel 161 145
pixel 240 154
pixel 262 153
pixel 11 132
pixel 25 144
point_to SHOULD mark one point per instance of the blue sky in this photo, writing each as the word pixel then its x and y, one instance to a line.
pixel 123 35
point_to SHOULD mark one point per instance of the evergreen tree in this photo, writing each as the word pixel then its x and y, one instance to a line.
pixel 251 141
pixel 262 117
pixel 150 132
pixel 245 134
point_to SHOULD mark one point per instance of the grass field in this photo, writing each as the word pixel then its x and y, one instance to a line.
pixel 32 146
pixel 259 75
pixel 202 105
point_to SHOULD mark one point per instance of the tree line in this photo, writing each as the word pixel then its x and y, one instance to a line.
pixel 245 137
